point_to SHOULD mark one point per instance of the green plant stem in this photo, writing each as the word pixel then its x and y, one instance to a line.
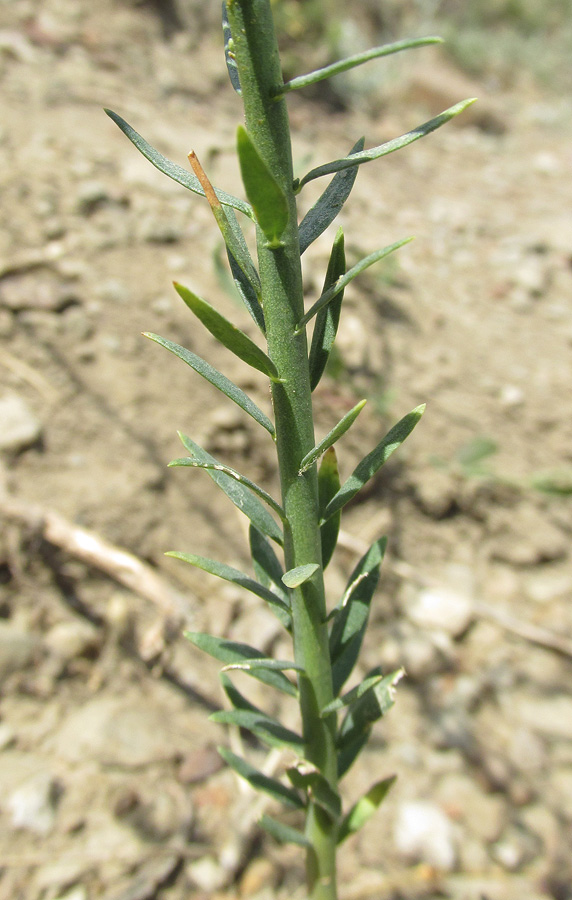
pixel 266 118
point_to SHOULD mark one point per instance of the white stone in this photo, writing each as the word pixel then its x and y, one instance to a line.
pixel 19 427
pixel 441 609
pixel 423 833
pixel 32 805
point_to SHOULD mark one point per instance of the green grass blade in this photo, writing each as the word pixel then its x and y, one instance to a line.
pixel 326 209
pixel 337 431
pixel 267 198
pixel 328 486
pixel 358 59
pixel 217 379
pixel 371 463
pixel 228 573
pixel 327 319
pixel 228 51
pixel 284 834
pixel 267 729
pixel 229 652
pixel 295 577
pixel 266 565
pixel 365 807
pixel 351 620
pixel 389 147
pixel 227 334
pixel 261 782
pixel 172 170
pixel 342 282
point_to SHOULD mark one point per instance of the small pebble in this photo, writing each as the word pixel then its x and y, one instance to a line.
pixel 423 833
pixel 20 428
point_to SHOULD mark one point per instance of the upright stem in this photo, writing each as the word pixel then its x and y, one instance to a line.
pixel 258 62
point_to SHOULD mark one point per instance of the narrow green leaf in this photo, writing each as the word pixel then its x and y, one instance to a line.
pixel 267 568
pixel 331 438
pixel 350 751
pixel 389 147
pixel 374 704
pixel 238 700
pixel 351 62
pixel 229 51
pixel 323 213
pixel 228 226
pixel 343 281
pixel 261 782
pixel 172 170
pixel 327 319
pixel 229 652
pixel 295 577
pixel 238 489
pixel 306 777
pixel 227 334
pixel 276 665
pixel 365 808
pixel 217 379
pixel 185 461
pixel 328 487
pixel 247 292
pixel 221 570
pixel 371 463
pixel 267 729
pixel 284 834
pixel 352 695
pixel 265 194
pixel 351 621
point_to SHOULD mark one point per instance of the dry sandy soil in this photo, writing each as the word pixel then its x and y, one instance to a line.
pixel 110 786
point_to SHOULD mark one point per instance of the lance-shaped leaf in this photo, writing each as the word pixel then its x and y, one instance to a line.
pixel 229 51
pixel 261 782
pixel 328 487
pixel 247 292
pixel 342 282
pixel 327 319
pixel 229 652
pixel 365 807
pixel 306 777
pixel 237 488
pixel 238 700
pixel 351 620
pixel 265 194
pixel 264 727
pixel 350 752
pixel 267 568
pixel 358 59
pixel 323 213
pixel 228 226
pixel 172 170
pixel 295 577
pixel 353 695
pixel 284 834
pixel 221 570
pixel 371 463
pixel 331 437
pixel 227 334
pixel 217 379
pixel 389 147
pixel 374 704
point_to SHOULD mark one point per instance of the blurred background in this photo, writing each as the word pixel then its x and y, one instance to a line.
pixel 110 784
